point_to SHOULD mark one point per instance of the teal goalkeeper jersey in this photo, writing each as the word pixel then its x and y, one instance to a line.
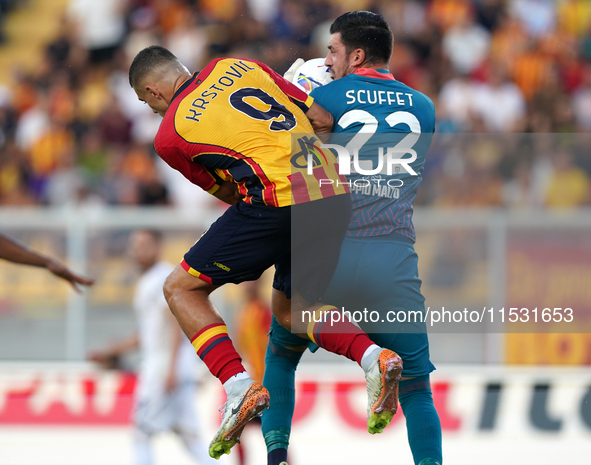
pixel 374 113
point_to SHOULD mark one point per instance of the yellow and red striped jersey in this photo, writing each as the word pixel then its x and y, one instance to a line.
pixel 236 121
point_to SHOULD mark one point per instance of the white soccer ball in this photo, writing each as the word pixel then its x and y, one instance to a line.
pixel 313 73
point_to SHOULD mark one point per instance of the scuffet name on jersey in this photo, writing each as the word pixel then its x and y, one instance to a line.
pixel 378 97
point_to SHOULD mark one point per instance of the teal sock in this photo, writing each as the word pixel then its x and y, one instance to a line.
pixel 280 367
pixel 422 420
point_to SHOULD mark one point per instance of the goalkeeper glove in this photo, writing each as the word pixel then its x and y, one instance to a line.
pixel 290 73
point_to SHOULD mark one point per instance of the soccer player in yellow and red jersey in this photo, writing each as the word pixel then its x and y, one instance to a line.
pixel 229 130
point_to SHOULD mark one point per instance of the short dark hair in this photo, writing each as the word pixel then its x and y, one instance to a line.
pixel 146 60
pixel 365 30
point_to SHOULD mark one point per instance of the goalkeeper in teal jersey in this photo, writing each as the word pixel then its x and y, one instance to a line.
pixel 372 112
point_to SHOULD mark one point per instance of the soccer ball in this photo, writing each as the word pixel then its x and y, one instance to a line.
pixel 313 73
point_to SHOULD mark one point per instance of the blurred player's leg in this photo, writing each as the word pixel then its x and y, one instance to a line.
pixel 187 425
pixel 152 414
pixel 196 448
pixel 142 448
pixel 422 421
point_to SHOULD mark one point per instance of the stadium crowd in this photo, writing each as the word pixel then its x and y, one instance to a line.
pixel 73 133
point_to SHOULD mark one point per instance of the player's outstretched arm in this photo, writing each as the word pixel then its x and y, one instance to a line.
pixel 109 358
pixel 16 252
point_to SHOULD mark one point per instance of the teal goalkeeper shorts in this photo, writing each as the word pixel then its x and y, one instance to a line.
pixel 380 274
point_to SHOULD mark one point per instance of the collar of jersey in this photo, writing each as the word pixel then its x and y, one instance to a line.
pixel 183 86
pixel 375 73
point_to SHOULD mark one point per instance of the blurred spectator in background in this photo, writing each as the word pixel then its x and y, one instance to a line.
pixel 253 321
pixel 100 26
pixel 574 16
pixel 537 16
pixel 166 389
pixel 519 191
pixel 446 13
pixel 5 7
pixel 499 102
pixel 581 102
pixel 65 182
pixel 456 104
pixel 187 41
pixel 466 44
pixel 569 185
pixel 531 69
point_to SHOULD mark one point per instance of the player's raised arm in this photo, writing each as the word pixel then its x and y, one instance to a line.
pixel 16 252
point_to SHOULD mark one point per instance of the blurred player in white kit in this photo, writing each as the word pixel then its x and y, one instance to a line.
pixel 165 391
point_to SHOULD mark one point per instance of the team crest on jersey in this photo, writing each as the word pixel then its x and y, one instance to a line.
pixel 308 147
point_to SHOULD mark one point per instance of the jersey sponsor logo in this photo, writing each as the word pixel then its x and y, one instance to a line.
pixel 222 266
pixel 309 154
